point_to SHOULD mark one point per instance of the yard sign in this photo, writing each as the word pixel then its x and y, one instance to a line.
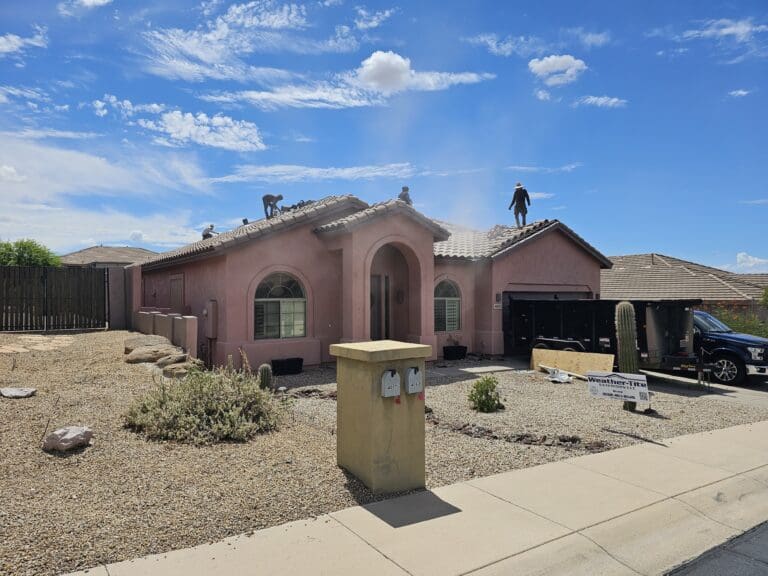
pixel 618 386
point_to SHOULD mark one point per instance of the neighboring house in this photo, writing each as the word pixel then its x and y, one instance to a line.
pixel 106 256
pixel 660 277
pixel 339 270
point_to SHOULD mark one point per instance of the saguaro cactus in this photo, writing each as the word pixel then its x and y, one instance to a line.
pixel 626 343
pixel 265 377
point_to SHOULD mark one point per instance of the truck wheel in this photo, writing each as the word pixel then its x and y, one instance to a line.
pixel 728 369
pixel 542 346
pixel 569 349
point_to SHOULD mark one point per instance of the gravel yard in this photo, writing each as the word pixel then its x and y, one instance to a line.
pixel 125 497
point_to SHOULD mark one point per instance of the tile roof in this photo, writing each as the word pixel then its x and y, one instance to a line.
pixel 760 280
pixel 376 210
pixel 329 206
pixel 106 254
pixel 660 277
pixel 477 244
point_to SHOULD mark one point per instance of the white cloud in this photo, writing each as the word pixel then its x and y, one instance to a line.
pixel 217 131
pixel 13 44
pixel 125 107
pixel 266 14
pixel 740 93
pixel 7 93
pixel 63 227
pixel 590 39
pixel 541 195
pixel 542 94
pixel 543 169
pixel 747 263
pixel 367 20
pixel 523 46
pixel 100 108
pixel 216 49
pixel 37 134
pixel 9 174
pixel 379 76
pixel 758 202
pixel 557 69
pixel 313 95
pixel 724 28
pixel 75 7
pixel 601 101
pixel 293 173
pixel 388 72
pixel 52 172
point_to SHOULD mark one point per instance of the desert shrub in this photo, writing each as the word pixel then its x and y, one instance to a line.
pixel 206 407
pixel 745 322
pixel 484 397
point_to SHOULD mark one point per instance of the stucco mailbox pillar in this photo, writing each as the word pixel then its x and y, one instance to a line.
pixel 380 413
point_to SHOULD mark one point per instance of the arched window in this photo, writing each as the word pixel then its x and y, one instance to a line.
pixel 280 308
pixel 447 307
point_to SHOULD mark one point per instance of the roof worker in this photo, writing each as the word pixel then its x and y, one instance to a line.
pixel 519 201
pixel 208 232
pixel 405 196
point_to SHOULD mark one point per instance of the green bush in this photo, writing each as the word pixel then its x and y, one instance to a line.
pixel 484 397
pixel 26 252
pixel 764 299
pixel 206 407
pixel 744 322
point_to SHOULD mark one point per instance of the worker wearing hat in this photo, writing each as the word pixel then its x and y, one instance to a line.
pixel 519 201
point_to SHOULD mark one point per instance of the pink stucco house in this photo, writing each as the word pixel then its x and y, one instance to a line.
pixel 340 270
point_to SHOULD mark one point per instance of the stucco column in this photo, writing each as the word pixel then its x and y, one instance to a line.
pixel 354 299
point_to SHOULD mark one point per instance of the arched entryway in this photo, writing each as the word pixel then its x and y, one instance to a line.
pixel 395 294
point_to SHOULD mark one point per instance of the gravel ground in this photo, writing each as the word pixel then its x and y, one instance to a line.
pixel 125 497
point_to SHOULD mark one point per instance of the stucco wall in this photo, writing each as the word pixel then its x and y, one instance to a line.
pixel 301 253
pixel 464 275
pixel 203 280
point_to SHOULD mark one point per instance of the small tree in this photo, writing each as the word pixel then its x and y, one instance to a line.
pixel 27 252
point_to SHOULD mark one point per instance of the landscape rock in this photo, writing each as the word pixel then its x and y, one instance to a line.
pixel 150 353
pixel 67 438
pixel 177 370
pixel 17 392
pixel 171 359
pixel 134 342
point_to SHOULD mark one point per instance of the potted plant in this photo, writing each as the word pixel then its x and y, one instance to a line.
pixel 454 351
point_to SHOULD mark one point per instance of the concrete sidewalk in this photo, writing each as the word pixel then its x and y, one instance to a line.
pixel 638 510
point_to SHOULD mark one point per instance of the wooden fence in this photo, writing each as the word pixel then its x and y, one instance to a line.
pixel 46 298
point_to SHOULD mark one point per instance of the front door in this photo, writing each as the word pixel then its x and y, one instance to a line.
pixel 379 307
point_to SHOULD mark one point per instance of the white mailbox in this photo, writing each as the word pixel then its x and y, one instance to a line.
pixel 390 384
pixel 414 383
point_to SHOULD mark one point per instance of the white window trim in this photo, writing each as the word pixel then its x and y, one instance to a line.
pixel 280 324
pixel 445 300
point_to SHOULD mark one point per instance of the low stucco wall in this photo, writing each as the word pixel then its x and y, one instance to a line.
pixel 180 330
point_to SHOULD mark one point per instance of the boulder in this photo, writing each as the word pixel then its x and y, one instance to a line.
pixel 67 438
pixel 134 342
pixel 171 359
pixel 150 353
pixel 17 392
pixel 176 370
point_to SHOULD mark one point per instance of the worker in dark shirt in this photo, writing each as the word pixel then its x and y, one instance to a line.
pixel 520 201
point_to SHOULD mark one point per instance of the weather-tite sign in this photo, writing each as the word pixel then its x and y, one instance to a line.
pixel 618 386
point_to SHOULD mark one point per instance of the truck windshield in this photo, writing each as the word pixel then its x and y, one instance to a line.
pixel 708 323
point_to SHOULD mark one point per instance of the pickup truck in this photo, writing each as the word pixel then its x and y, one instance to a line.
pixel 733 356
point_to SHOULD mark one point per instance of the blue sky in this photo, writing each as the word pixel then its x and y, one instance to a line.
pixel 641 125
